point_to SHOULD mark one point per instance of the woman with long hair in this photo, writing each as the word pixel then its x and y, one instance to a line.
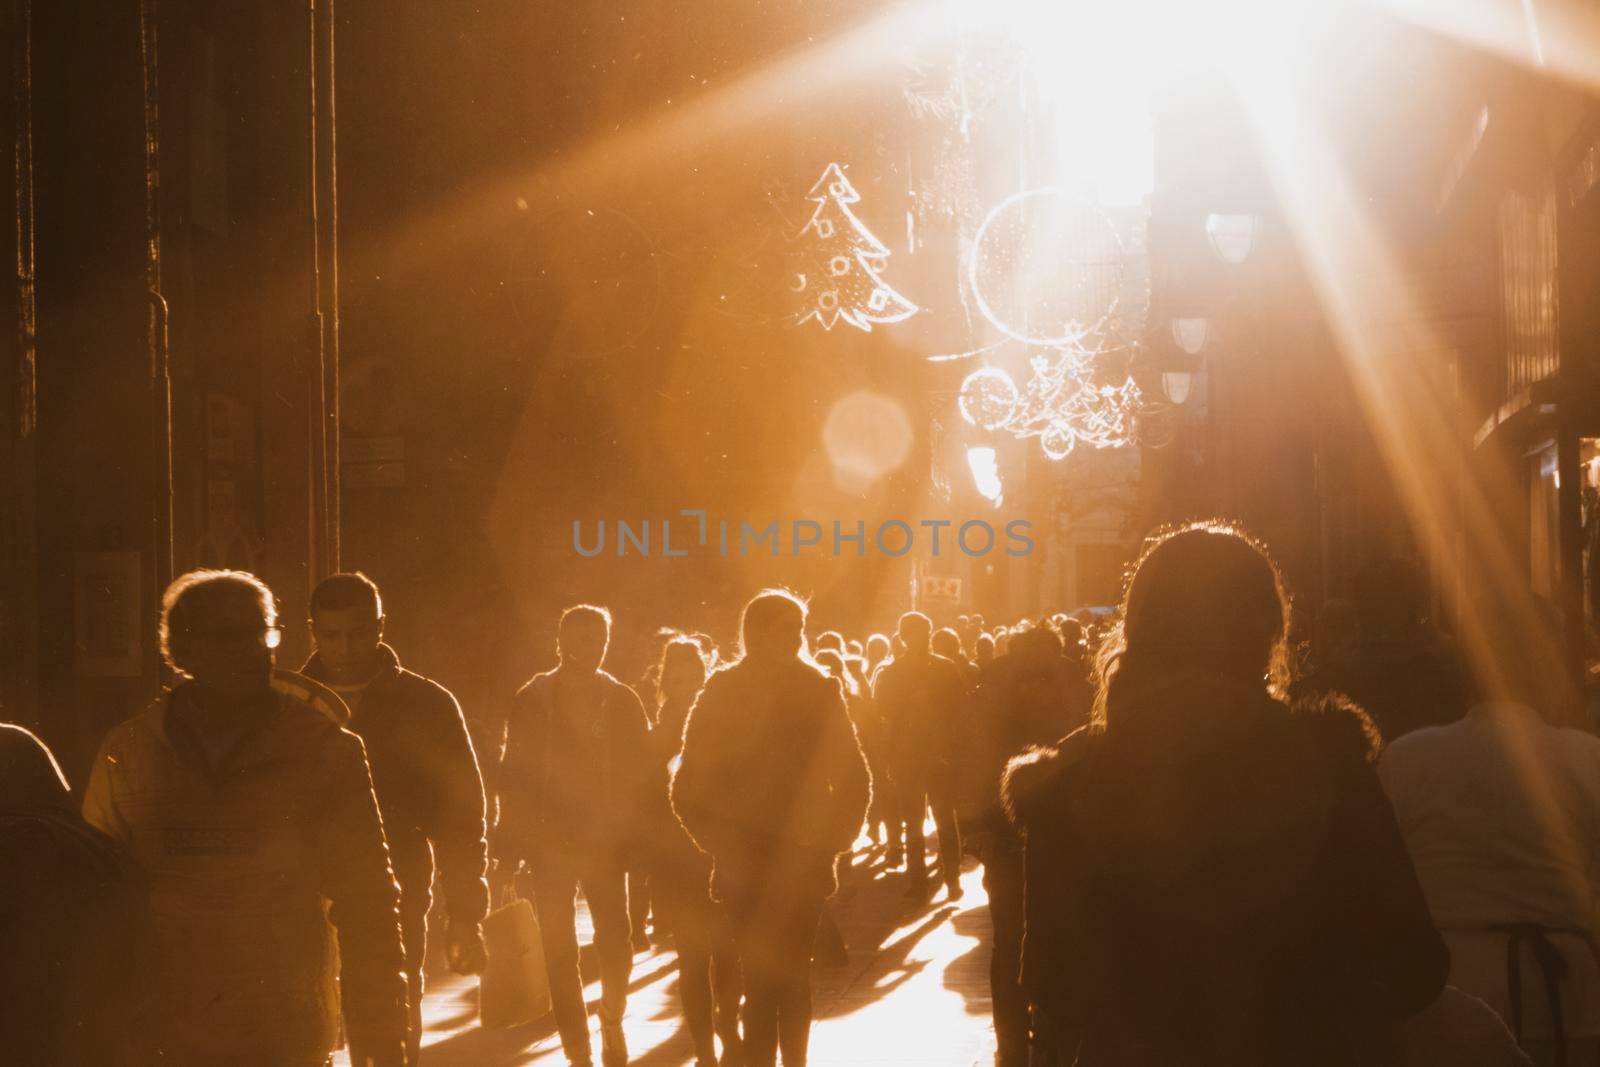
pixel 1214 876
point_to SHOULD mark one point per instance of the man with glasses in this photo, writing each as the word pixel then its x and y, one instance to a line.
pixel 251 814
pixel 423 768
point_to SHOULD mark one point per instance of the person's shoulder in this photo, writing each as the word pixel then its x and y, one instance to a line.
pixel 423 689
pixel 536 686
pixel 136 731
pixel 1032 779
pixel 1339 724
pixel 307 694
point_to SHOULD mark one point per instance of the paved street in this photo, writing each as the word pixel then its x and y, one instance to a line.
pixel 916 990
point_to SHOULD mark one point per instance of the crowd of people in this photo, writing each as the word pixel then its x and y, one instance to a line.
pixel 1201 843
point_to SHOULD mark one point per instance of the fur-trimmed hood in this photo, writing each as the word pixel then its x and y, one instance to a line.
pixel 1332 722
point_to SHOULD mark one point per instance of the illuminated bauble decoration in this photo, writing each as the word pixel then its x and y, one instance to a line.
pixel 1046 267
pixel 988 398
pixel 1057 442
pixel 847 259
pixel 1233 237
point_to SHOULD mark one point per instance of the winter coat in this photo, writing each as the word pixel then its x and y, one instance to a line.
pixel 577 781
pixel 1221 881
pixel 772 782
pixel 73 922
pixel 923 701
pixel 1021 703
pixel 247 862
pixel 429 789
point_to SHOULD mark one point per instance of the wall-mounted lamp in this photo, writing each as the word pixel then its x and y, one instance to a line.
pixel 1176 384
pixel 1191 334
pixel 1233 237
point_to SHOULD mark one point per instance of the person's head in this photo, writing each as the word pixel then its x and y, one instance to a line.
pixel 682 673
pixel 833 665
pixel 984 650
pixel 877 649
pixel 220 629
pixel 831 639
pixel 1035 646
pixel 1074 639
pixel 915 631
pixel 773 626
pixel 947 643
pixel 29 774
pixel 1204 598
pixel 346 620
pixel 582 637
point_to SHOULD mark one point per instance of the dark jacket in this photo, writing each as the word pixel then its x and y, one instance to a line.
pixel 923 701
pixel 247 862
pixel 577 781
pixel 1022 702
pixel 1405 683
pixel 428 785
pixel 772 782
pixel 1220 883
pixel 73 923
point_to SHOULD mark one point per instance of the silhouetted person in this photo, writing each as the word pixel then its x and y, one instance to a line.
pixel 1033 695
pixel 247 806
pixel 877 652
pixel 983 651
pixel 947 643
pixel 922 699
pixel 1502 815
pixel 73 924
pixel 424 771
pixel 708 961
pixel 575 795
pixel 1403 673
pixel 1212 876
pixel 773 785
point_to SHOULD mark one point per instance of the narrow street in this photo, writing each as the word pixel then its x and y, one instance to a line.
pixel 916 990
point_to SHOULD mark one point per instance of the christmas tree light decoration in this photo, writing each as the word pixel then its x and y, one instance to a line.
pixel 849 258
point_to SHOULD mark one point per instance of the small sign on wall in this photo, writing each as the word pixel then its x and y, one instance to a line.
pixel 109 633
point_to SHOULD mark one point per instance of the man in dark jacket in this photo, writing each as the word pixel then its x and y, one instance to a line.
pixel 576 792
pixel 772 784
pixel 922 699
pixel 1033 695
pixel 423 769
pixel 250 812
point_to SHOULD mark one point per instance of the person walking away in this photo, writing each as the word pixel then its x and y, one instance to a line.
pixel 772 784
pixel 1501 811
pixel 73 922
pixel 424 771
pixel 1031 696
pixel 708 960
pixel 1213 877
pixel 575 794
pixel 922 699
pixel 249 811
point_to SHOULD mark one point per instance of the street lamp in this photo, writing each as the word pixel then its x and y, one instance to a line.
pixel 1233 237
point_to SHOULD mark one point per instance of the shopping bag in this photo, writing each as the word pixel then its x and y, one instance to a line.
pixel 514 988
